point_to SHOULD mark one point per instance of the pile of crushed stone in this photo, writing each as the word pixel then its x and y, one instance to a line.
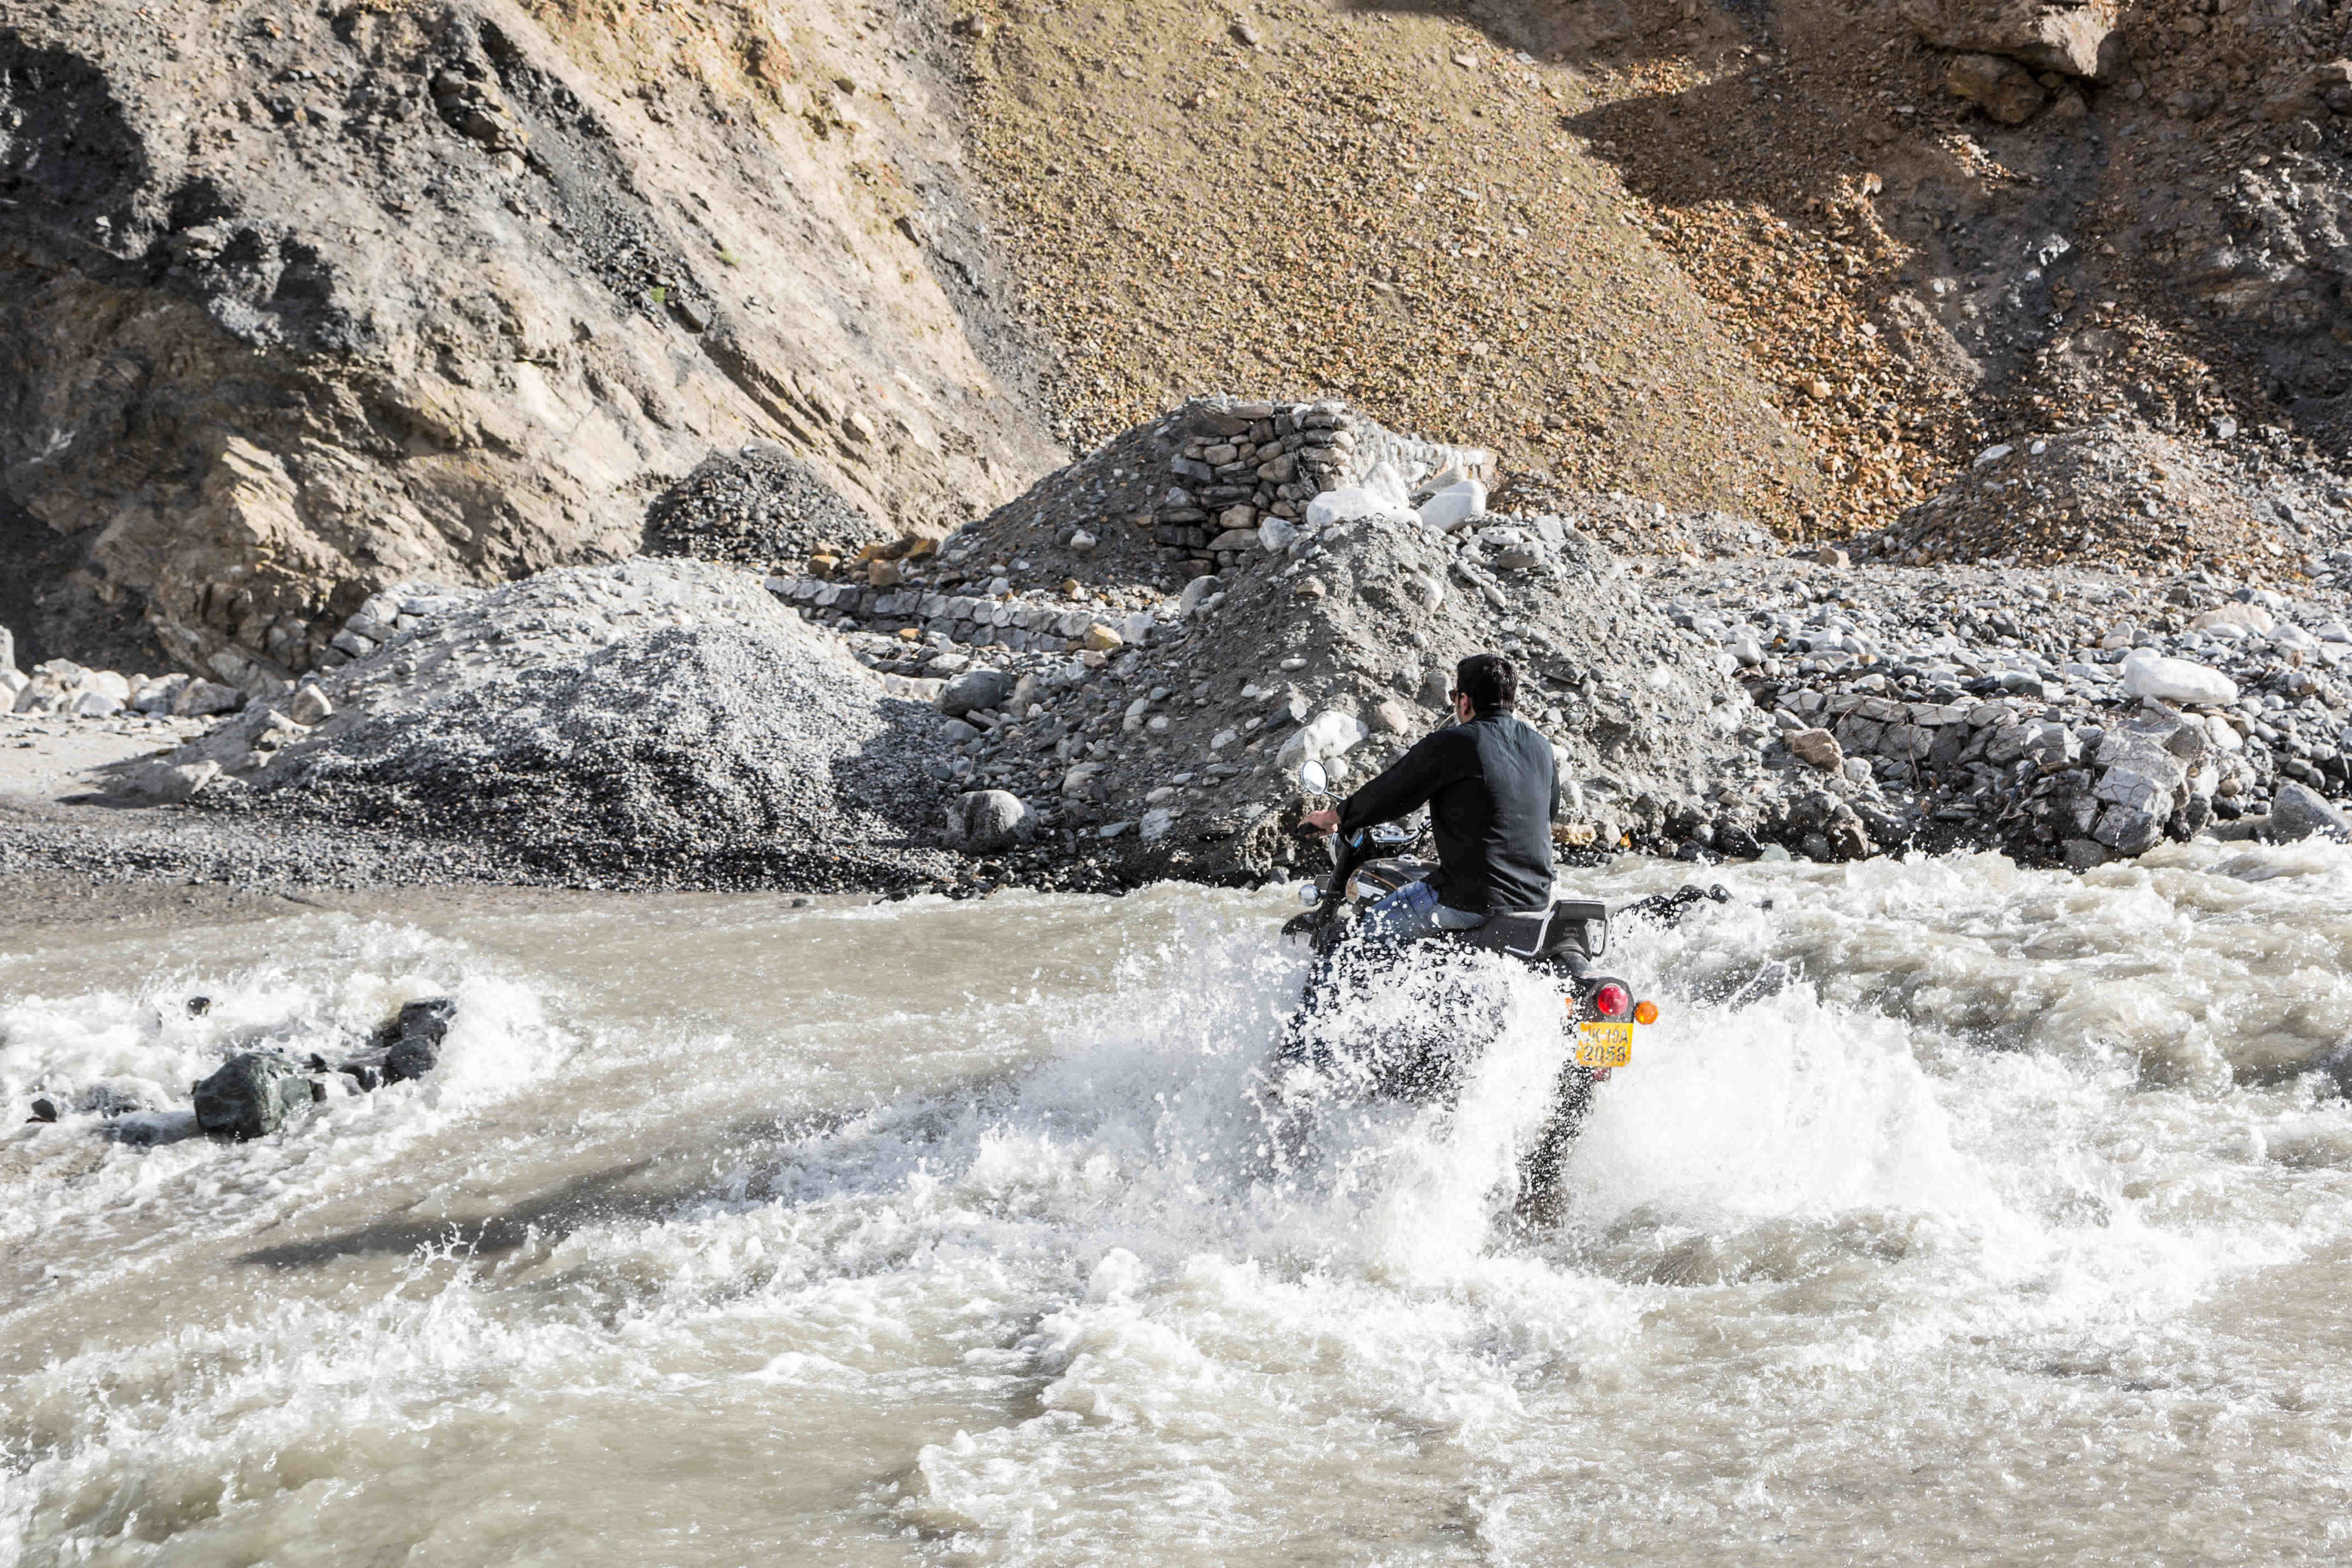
pixel 652 722
pixel 758 505
pixel 1164 727
pixel 2117 499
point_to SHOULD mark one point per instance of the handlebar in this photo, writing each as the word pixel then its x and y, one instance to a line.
pixel 1348 852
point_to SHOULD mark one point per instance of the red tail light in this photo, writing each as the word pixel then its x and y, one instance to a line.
pixel 1613 1001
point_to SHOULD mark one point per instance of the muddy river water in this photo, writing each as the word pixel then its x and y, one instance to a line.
pixel 1949 1213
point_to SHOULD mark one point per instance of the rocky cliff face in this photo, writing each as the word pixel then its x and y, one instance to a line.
pixel 301 302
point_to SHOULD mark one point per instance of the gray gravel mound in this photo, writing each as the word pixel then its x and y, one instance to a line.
pixel 758 505
pixel 662 723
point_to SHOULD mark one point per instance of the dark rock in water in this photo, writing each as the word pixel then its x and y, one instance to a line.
pixel 1666 909
pixel 1735 839
pixel 44 1109
pixel 251 1095
pixel 199 1005
pixel 416 1038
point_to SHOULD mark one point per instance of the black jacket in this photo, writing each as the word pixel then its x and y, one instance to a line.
pixel 1492 792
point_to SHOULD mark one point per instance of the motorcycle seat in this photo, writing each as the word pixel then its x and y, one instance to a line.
pixel 1571 926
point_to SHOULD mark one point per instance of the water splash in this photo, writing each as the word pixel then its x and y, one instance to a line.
pixel 1945 1205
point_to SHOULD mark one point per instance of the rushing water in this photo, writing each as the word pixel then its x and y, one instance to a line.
pixel 1950 1213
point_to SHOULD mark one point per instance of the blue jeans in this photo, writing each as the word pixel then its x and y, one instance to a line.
pixel 1412 912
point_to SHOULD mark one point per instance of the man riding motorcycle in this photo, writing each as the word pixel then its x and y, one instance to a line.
pixel 1492 788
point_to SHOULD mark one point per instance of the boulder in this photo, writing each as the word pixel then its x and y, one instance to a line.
pixel 251 1095
pixel 1456 506
pixel 982 821
pixel 2153 677
pixel 41 694
pixel 7 648
pixel 1349 503
pixel 2145 765
pixel 2084 854
pixel 2254 617
pixel 2128 829
pixel 416 1039
pixel 308 705
pixel 166 783
pixel 1385 485
pixel 2000 87
pixel 158 695
pixel 1198 589
pixel 1327 734
pixel 201 699
pixel 1818 748
pixel 985 687
pixel 2076 37
pixel 2298 811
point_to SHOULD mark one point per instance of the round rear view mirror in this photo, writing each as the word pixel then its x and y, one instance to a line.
pixel 1312 778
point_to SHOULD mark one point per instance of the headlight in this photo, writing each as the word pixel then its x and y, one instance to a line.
pixel 1309 894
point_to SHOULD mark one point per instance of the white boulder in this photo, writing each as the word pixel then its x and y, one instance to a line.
pixel 1455 506
pixel 1385 485
pixel 1349 503
pixel 1327 734
pixel 2252 617
pixel 2153 676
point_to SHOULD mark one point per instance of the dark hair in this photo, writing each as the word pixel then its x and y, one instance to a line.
pixel 1489 680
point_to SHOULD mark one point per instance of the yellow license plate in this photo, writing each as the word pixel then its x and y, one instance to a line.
pixel 1604 1045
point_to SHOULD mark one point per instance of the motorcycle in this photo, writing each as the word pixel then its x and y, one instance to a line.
pixel 1427 1062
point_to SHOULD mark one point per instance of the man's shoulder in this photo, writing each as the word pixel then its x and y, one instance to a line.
pixel 1452 740
pixel 1508 730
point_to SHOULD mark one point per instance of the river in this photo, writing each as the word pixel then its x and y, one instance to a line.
pixel 1950 1213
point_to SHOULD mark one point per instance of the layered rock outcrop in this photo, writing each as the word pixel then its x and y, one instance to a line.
pixel 302 303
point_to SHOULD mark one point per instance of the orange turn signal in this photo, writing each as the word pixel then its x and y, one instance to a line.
pixel 1645 1011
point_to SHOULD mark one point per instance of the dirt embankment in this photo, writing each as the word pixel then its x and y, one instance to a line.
pixel 1766 259
pixel 302 302
pixel 1380 207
